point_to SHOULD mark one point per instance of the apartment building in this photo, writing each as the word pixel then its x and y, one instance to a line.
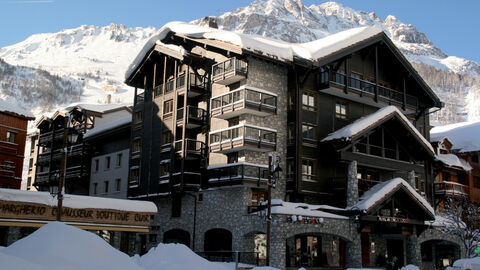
pixel 347 115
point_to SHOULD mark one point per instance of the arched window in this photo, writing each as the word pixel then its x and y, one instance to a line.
pixel 218 240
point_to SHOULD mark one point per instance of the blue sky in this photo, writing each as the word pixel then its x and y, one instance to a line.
pixel 452 25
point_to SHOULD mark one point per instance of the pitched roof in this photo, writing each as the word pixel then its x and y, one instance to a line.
pixel 14 109
pixel 464 136
pixel 271 48
pixel 452 160
pixel 382 191
pixel 365 123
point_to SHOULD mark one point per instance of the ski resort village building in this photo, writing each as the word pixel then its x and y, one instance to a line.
pixel 346 115
pixel 13 132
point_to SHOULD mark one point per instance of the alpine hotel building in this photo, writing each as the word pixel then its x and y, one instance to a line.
pixel 348 116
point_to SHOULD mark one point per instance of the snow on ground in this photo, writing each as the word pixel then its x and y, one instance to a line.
pixel 57 246
pixel 462 264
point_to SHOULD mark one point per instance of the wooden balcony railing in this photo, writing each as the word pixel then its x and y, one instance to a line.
pixel 448 188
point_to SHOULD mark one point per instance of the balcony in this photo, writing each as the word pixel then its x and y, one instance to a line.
pixel 72 151
pixel 230 71
pixel 243 137
pixel 241 173
pixel 191 180
pixel 197 85
pixel 451 189
pixel 46 137
pixel 196 117
pixel 140 98
pixel 246 99
pixel 193 149
pixel 366 88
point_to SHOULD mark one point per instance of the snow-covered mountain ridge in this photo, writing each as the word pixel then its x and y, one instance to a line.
pixel 97 57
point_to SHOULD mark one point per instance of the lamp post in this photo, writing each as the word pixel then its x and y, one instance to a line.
pixel 273 168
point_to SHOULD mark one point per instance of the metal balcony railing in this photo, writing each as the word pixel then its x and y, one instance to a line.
pixel 244 100
pixel 238 173
pixel 195 116
pixel 229 71
pixel 243 137
pixel 193 148
pixel 196 83
pixel 191 180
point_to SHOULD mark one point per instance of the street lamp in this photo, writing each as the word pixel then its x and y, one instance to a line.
pixel 273 171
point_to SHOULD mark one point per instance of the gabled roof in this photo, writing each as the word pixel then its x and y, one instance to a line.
pixel 383 191
pixel 452 160
pixel 366 123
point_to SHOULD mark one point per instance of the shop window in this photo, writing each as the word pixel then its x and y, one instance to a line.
pixel 309 101
pixel 341 110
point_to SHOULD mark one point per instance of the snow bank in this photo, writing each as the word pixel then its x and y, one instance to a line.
pixel 298 210
pixel 175 257
pixel 410 267
pixel 464 136
pixel 462 264
pixel 453 160
pixel 14 263
pixel 57 246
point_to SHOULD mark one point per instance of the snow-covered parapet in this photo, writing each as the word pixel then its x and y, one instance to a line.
pixel 77 201
pixel 280 207
pixel 454 161
pixel 272 48
pixel 382 191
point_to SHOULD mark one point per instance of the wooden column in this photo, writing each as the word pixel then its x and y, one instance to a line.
pixel 404 94
pixel 347 74
pixel 376 73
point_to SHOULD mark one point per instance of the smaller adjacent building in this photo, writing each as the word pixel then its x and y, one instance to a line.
pixel 110 156
pixel 13 132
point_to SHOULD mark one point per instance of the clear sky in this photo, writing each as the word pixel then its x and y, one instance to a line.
pixel 452 25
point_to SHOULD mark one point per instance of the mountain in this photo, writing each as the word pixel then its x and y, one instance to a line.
pixel 455 80
pixel 93 59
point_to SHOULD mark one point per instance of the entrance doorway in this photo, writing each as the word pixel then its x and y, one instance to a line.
pixel 395 249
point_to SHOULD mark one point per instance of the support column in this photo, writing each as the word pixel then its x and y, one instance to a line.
pixel 353 252
pixel 352 184
pixel 278 245
pixel 413 249
pixel 411 178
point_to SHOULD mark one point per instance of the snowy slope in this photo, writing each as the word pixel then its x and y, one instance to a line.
pixel 94 57
pixel 455 80
pixel 97 57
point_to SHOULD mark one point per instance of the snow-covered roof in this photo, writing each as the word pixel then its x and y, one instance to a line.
pixel 280 207
pixel 349 131
pixel 275 49
pixel 454 161
pixel 99 108
pixel 382 191
pixel 77 201
pixel 464 136
pixel 108 126
pixel 13 108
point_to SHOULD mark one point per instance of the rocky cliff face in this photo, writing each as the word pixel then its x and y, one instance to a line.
pixel 455 80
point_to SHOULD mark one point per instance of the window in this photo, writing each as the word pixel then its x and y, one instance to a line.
pixel 118 182
pixel 96 164
pixel 176 206
pixel 168 108
pixel 445 176
pixel 166 137
pixel 136 146
pixel 119 159
pixel 291 134
pixel 95 185
pixel 11 136
pixel 29 182
pixel 308 170
pixel 134 176
pixel 341 110
pixel 163 169
pixel 355 80
pixel 475 157
pixel 30 164
pixel 107 163
pixel 258 197
pixel 137 117
pixel 476 181
pixel 290 171
pixel 308 132
pixel 309 101
pixel 106 186
pixel 33 139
